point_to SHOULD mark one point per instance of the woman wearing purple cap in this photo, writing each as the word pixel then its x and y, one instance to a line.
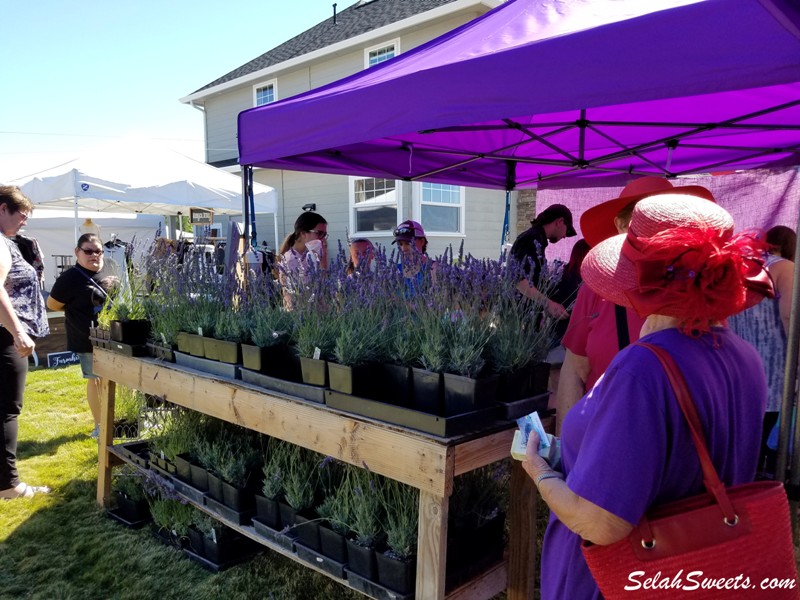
pixel 414 263
pixel 626 446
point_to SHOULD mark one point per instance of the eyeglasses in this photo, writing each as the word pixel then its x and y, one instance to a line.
pixel 91 252
pixel 320 234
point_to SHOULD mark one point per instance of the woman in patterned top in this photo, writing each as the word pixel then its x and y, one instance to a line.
pixel 23 318
pixel 765 326
pixel 303 250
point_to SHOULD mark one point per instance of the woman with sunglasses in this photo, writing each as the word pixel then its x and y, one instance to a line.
pixel 304 247
pixel 22 319
pixel 81 292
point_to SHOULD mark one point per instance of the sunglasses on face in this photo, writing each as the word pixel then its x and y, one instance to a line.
pixel 91 252
pixel 320 234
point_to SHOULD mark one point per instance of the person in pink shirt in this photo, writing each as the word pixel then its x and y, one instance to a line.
pixel 598 329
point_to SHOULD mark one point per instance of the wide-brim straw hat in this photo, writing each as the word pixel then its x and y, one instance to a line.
pixel 610 272
pixel 597 222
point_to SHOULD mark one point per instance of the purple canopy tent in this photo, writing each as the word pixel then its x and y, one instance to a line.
pixel 525 93
pixel 575 91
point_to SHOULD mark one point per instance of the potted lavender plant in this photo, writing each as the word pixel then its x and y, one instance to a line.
pixel 300 489
pixel 397 566
pixel 366 524
pixel 276 461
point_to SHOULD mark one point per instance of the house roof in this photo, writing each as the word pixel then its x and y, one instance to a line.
pixel 362 17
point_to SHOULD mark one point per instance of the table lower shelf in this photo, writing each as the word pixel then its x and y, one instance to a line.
pixel 485 585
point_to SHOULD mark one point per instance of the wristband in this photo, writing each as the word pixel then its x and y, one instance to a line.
pixel 547 475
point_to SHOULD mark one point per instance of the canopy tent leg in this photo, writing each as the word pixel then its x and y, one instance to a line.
pixel 788 414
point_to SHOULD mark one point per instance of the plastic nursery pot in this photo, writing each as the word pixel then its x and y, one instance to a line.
pixel 210 348
pixel 358 380
pixel 228 352
pixel 427 387
pixel 315 372
pixel 332 544
pixel 307 528
pixel 396 387
pixel 361 561
pixel 133 333
pixel 267 511
pixel 465 394
pixel 397 575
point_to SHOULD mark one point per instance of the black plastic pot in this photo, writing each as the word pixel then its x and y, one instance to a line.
pixel 465 394
pixel 196 540
pixel 315 372
pixel 540 377
pixel 397 575
pixel 132 510
pixel 397 383
pixel 184 468
pixel 215 487
pixel 267 511
pixel 307 528
pixel 362 561
pixel 287 513
pixel 199 478
pixel 427 387
pixel 332 544
pixel 133 332
pixel 228 352
pixel 358 380
pixel 238 499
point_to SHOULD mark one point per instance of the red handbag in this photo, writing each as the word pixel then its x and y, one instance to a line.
pixel 731 542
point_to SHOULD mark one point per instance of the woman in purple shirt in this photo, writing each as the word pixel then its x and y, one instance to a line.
pixel 625 444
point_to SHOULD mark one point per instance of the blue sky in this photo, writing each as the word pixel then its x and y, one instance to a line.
pixel 76 75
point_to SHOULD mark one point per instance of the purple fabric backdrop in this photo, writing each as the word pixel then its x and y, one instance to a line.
pixel 757 199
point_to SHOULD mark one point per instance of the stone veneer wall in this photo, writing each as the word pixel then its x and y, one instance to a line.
pixel 526 211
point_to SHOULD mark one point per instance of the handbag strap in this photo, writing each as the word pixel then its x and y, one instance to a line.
pixel 711 479
pixel 621 317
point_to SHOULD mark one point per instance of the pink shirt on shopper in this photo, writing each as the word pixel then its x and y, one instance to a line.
pixel 592 332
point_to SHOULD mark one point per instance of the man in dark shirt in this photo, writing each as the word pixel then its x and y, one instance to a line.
pixel 551 225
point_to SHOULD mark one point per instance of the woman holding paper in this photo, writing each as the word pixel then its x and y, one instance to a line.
pixel 625 446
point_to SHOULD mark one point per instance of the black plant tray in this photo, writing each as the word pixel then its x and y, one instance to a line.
pixel 284 540
pixel 238 517
pixel 265 531
pixel 217 567
pixel 192 493
pixel 311 393
pixel 373 589
pixel 134 452
pixel 519 408
pixel 131 524
pixel 206 365
pixel 414 419
pixel 127 349
pixel 320 561
pixel 162 473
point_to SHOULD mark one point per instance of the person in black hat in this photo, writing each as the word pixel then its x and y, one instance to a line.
pixel 551 225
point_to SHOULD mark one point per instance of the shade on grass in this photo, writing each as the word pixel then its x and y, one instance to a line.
pixel 62 546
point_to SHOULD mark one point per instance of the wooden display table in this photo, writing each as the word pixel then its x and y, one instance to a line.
pixel 426 462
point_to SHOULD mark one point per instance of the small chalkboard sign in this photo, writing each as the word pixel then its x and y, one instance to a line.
pixel 201 216
pixel 62 359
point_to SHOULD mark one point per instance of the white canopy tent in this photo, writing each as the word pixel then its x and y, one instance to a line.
pixel 141 177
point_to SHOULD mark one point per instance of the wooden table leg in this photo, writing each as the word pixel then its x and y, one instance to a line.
pixel 432 546
pixel 105 439
pixel 522 535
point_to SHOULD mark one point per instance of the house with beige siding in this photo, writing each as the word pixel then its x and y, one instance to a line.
pixel 364 34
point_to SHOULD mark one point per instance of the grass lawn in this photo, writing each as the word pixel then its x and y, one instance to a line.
pixel 62 546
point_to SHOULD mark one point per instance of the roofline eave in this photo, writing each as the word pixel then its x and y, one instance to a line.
pixel 292 63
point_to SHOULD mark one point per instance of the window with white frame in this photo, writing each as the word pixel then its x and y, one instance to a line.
pixel 375 204
pixel 265 93
pixel 382 53
pixel 440 207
